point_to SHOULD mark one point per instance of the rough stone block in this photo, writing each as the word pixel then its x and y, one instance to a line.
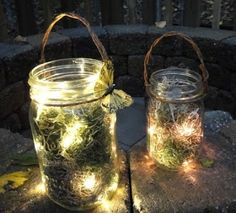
pixel 23 114
pixel 218 77
pixel 217 99
pixel 11 144
pixel 18 60
pixel 233 84
pixel 2 75
pixel 135 65
pixel 12 123
pixel 11 98
pixel 171 46
pixel 58 46
pixel 133 86
pixel 227 54
pixel 120 65
pixel 182 62
pixel 127 40
pixel 82 43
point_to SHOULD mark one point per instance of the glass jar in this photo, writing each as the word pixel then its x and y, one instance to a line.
pixel 75 139
pixel 175 111
pixel 175 116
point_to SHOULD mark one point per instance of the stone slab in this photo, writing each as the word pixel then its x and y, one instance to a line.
pixel 131 123
pixel 192 188
pixel 11 98
pixel 18 59
pixel 27 199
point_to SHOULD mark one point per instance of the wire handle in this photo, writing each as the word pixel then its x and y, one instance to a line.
pixel 204 72
pixel 95 39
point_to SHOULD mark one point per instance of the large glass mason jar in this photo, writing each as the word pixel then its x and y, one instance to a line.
pixel 72 118
pixel 75 139
pixel 175 111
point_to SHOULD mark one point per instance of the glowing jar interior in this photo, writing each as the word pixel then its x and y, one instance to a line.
pixel 74 138
pixel 175 111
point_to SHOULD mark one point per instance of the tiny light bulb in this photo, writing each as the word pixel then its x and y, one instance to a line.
pixel 90 182
pixel 40 188
pixel 151 130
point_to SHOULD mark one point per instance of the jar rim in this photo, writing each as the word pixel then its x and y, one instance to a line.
pixel 65 81
pixel 187 85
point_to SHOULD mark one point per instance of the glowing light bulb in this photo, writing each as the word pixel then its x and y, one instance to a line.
pixel 71 135
pixel 90 182
pixel 40 188
pixel 186 131
pixel 107 204
pixel 151 130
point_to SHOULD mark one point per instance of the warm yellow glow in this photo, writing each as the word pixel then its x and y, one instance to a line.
pixel 71 135
pixel 185 130
pixel 189 131
pixel 90 182
pixel 151 130
pixel 137 203
pixel 188 170
pixel 38 189
pixel 114 183
pixel 107 204
pixel 38 146
pixel 91 81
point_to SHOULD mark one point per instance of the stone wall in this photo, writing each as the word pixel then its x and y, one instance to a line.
pixel 126 45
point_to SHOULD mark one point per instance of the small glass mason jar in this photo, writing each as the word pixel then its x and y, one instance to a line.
pixel 74 138
pixel 175 111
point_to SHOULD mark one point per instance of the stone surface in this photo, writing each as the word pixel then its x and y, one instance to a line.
pixel 2 76
pixel 182 62
pixel 227 53
pixel 120 65
pixel 229 133
pixel 127 40
pixel 192 188
pixel 11 98
pixel 57 47
pixel 217 99
pixel 82 44
pixel 26 199
pixel 171 46
pixel 11 144
pixel 131 123
pixel 135 65
pixel 214 121
pixel 233 84
pixel 218 77
pixel 133 86
pixel 12 123
pixel 23 114
pixel 18 60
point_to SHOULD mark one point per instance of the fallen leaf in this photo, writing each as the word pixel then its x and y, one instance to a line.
pixel 26 159
pixel 207 163
pixel 13 180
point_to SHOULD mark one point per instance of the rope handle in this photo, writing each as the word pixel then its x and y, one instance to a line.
pixel 204 72
pixel 95 39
